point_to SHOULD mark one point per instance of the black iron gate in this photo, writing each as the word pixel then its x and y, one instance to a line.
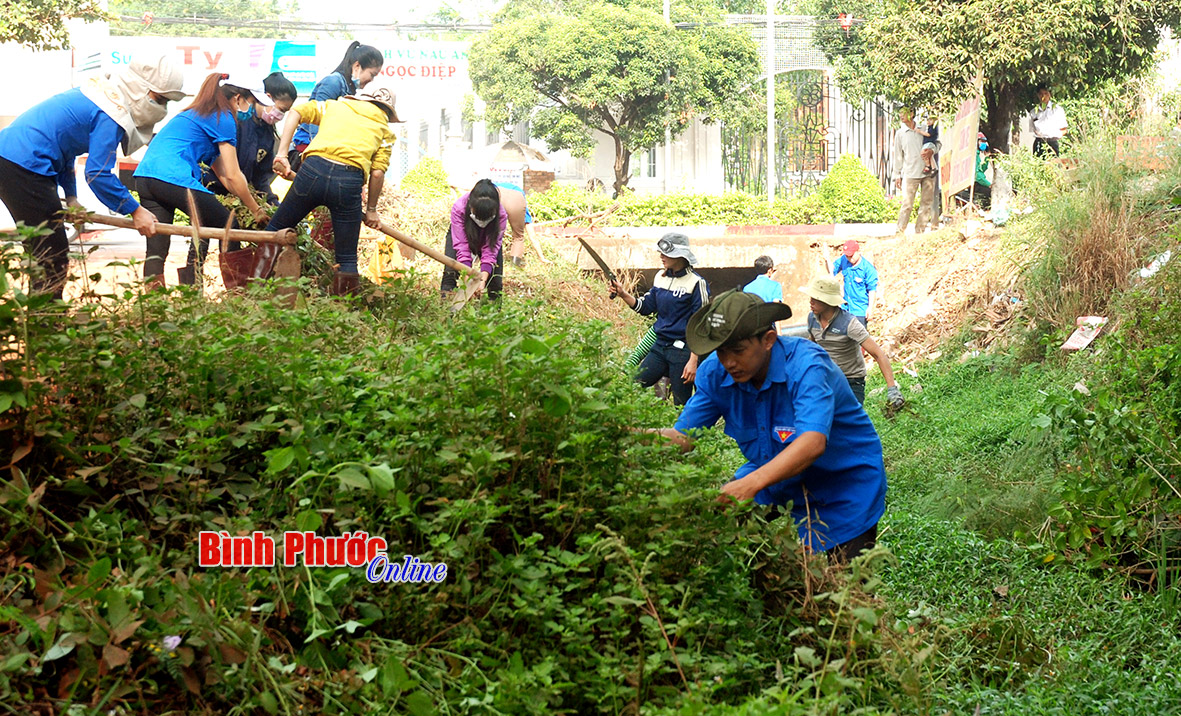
pixel 814 128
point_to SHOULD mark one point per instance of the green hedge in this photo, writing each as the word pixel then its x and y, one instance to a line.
pixel 848 194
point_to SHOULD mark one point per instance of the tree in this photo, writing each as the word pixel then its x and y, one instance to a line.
pixel 40 24
pixel 576 68
pixel 929 54
pixel 220 18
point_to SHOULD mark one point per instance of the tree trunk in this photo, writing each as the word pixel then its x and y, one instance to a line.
pixel 1001 101
pixel 623 160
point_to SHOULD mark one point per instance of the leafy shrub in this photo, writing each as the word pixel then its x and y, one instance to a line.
pixel 421 205
pixel 590 571
pixel 849 193
pixel 427 180
pixel 563 200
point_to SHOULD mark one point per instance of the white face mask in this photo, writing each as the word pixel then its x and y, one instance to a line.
pixel 481 223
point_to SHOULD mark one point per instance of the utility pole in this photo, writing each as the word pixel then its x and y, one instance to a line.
pixel 668 134
pixel 770 70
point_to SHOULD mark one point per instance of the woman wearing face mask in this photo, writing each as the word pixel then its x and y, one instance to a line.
pixel 476 237
pixel 359 66
pixel 204 133
pixel 257 138
pixel 982 192
pixel 37 153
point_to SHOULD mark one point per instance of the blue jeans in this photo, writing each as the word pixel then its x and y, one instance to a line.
pixel 336 186
pixel 663 360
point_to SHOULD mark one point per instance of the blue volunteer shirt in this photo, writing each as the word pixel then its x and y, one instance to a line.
pixel 331 86
pixel 803 392
pixel 673 298
pixel 859 281
pixel 184 144
pixel 256 152
pixel 765 288
pixel 47 139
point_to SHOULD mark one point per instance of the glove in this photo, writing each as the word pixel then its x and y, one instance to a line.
pixel 894 397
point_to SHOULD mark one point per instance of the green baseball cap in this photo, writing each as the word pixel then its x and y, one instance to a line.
pixel 732 316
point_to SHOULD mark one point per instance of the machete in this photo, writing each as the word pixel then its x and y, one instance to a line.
pixel 599 260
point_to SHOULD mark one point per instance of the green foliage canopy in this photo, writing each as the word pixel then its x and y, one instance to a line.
pixel 616 68
pixel 251 18
pixel 40 24
pixel 930 54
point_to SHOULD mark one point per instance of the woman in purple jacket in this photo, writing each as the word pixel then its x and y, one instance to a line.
pixel 476 237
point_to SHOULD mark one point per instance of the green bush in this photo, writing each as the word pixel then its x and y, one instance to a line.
pixel 849 193
pixel 427 180
pixel 590 571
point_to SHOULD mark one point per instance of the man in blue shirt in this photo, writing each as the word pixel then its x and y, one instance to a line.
pixel 805 437
pixel 861 281
pixel 764 286
pixel 37 153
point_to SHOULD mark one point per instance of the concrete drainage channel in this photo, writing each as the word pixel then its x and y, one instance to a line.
pixel 725 254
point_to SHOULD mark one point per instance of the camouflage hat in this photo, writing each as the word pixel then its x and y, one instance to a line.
pixel 732 316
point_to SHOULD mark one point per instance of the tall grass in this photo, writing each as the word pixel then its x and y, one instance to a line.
pixel 1095 218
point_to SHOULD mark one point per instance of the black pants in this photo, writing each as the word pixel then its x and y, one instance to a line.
pixel 451 276
pixel 163 199
pixel 846 551
pixel 858 386
pixel 1045 148
pixel 33 200
pixel 981 196
pixel 665 359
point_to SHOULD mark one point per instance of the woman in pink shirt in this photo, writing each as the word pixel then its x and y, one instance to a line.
pixel 476 237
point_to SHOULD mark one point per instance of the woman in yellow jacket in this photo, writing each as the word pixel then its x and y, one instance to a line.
pixel 354 142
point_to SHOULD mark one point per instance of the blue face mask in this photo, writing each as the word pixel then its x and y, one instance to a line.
pixel 243 116
pixel 983 146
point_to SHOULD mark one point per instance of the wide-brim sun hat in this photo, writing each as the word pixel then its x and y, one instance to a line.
pixel 676 246
pixel 380 96
pixel 825 289
pixel 732 316
pixel 159 74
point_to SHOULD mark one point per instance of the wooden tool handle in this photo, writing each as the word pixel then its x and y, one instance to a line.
pixel 437 256
pixel 283 237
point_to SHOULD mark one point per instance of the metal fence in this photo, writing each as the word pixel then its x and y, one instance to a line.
pixel 813 130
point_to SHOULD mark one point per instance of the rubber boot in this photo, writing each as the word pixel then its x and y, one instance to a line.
pixel 346 284
pixel 186 275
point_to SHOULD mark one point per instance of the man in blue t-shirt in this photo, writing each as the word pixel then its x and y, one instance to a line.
pixel 764 286
pixel 861 281
pixel 805 437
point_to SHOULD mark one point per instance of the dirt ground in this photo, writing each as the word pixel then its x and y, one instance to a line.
pixel 930 283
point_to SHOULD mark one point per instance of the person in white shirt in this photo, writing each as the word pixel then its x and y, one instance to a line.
pixel 909 161
pixel 1048 124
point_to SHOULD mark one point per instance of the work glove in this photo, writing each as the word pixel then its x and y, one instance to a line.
pixel 894 397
